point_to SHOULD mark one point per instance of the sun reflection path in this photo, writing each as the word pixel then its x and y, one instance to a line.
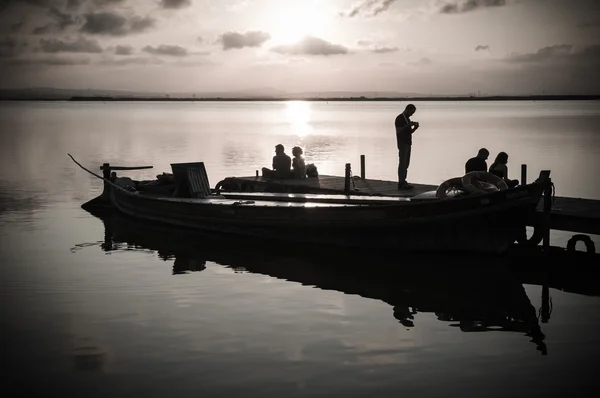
pixel 299 115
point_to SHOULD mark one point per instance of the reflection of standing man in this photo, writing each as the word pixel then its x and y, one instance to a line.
pixel 404 130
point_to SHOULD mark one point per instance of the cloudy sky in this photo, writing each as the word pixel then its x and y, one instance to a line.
pixel 407 46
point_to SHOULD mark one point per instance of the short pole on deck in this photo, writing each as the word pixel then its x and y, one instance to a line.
pixel 106 170
pixel 547 209
pixel 347 178
pixel 106 174
pixel 362 167
pixel 523 174
pixel 257 173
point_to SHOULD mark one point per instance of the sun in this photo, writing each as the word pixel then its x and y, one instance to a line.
pixel 294 20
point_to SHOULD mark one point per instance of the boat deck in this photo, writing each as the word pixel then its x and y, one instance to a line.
pixel 326 184
pixel 567 214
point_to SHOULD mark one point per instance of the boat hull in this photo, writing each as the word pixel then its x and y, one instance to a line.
pixel 481 223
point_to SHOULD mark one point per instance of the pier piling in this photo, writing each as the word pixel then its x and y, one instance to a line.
pixel 546 215
pixel 347 178
pixel 362 167
pixel 523 174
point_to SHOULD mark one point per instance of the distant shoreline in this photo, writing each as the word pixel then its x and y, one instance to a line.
pixel 337 99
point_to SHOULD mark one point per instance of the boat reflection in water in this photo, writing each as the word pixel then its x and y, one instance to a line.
pixel 481 293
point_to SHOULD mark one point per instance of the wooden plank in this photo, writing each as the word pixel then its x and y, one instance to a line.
pixel 335 184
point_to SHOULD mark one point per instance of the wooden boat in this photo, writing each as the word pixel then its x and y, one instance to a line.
pixel 468 296
pixel 486 222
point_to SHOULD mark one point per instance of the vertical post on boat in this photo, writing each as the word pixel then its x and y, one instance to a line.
pixel 546 216
pixel 257 173
pixel 362 167
pixel 106 171
pixel 347 178
pixel 106 174
pixel 523 174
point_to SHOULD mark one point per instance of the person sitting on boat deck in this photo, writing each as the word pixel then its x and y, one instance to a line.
pixel 298 163
pixel 500 168
pixel 281 164
pixel 478 163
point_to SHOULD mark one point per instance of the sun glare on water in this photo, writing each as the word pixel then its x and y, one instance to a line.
pixel 293 20
pixel 298 116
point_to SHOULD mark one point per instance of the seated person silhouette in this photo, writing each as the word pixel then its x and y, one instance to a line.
pixel 500 168
pixel 281 164
pixel 298 163
pixel 477 163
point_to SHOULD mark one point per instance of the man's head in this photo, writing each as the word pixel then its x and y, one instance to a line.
pixel 483 154
pixel 410 110
pixel 279 149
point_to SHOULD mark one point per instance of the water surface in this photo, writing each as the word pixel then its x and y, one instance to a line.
pixel 102 306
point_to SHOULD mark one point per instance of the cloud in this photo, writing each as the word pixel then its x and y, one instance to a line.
pixel 376 47
pixel 235 40
pixel 370 8
pixel 311 46
pixel 462 6
pixel 421 62
pixel 164 49
pixel 559 53
pixel 7 47
pixel 17 26
pixel 113 24
pixel 73 4
pixel 76 4
pixel 124 50
pixel 175 3
pixel 587 25
pixel 482 47
pixel 104 3
pixel 80 45
pixel 133 61
pixel 383 49
pixel 544 54
pixel 10 47
pixel 54 61
pixel 62 21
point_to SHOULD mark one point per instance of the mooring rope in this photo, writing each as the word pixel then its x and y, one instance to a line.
pixel 91 172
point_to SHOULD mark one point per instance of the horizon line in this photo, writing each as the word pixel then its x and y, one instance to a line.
pixel 311 98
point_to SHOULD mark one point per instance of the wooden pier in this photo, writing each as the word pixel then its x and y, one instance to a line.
pixel 575 215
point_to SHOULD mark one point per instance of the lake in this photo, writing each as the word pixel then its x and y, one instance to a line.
pixel 103 306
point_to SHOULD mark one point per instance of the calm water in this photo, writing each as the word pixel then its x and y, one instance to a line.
pixel 103 307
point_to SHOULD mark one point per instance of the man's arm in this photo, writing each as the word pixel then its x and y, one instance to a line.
pixel 406 128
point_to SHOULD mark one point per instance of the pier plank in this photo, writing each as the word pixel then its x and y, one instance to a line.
pixel 575 215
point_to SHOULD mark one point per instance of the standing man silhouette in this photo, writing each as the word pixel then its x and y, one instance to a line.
pixel 404 130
